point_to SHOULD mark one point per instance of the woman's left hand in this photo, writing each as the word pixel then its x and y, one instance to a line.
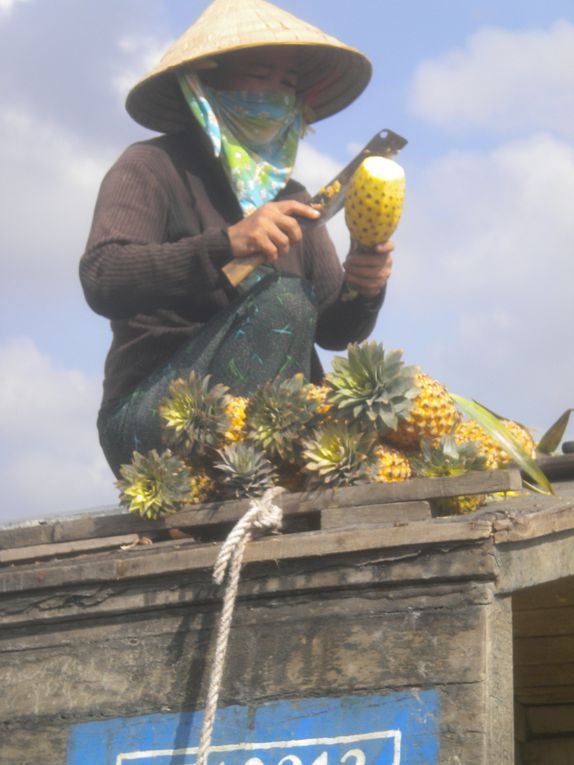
pixel 367 271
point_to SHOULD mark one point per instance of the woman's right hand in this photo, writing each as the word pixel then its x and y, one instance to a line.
pixel 271 230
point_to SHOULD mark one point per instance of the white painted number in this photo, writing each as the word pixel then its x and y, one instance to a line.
pixel 358 754
pixel 355 756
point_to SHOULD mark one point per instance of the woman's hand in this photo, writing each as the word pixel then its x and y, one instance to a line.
pixel 367 271
pixel 271 230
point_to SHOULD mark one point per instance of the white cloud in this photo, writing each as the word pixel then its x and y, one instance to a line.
pixel 502 81
pixel 50 180
pixel 496 222
pixel 7 6
pixel 80 54
pixel 61 127
pixel 484 266
pixel 140 54
pixel 51 458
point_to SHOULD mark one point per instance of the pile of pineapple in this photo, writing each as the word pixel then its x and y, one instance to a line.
pixel 374 419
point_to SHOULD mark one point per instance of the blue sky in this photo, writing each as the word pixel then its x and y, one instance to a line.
pixel 481 296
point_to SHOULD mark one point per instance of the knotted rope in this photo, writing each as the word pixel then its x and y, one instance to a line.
pixel 264 517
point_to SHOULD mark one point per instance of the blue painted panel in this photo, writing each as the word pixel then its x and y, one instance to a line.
pixel 397 729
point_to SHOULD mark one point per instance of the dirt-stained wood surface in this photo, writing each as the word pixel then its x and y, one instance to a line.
pixel 107 615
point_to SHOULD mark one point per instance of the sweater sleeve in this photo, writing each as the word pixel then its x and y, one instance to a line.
pixel 340 321
pixel 131 267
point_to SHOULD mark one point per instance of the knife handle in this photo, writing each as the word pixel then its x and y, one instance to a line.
pixel 239 269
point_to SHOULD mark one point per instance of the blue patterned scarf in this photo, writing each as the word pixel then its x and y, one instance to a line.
pixel 254 133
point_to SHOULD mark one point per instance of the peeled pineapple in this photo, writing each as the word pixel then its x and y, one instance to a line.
pixel 374 200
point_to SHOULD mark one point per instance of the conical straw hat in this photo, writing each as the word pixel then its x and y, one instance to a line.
pixel 331 74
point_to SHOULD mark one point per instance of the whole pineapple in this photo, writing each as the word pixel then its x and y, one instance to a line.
pixel 433 415
pixel 245 470
pixel 278 416
pixel 195 415
pixel 371 387
pixel 494 454
pixel 154 485
pixel 337 454
pixel 390 465
pixel 446 457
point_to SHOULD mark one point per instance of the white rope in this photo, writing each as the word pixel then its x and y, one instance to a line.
pixel 262 516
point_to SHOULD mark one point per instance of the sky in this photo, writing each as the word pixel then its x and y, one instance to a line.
pixel 481 295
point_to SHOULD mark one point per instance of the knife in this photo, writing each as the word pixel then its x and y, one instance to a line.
pixel 329 200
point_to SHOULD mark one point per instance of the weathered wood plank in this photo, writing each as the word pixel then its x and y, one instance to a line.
pixel 545 694
pixel 188 556
pixel 137 664
pixel 40 552
pixel 115 523
pixel 558 467
pixel 87 526
pixel 499 696
pixel 543 650
pixel 520 722
pixel 455 576
pixel 394 512
pixel 543 675
pixel 549 621
pixel 554 751
pixel 550 719
pixel 532 562
pixel 534 525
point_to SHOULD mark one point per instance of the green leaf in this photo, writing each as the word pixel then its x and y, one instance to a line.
pixel 494 427
pixel 552 439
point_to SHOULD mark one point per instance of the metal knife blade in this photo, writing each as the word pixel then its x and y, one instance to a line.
pixel 329 200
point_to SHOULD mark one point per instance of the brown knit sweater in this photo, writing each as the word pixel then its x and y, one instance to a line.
pixel 155 252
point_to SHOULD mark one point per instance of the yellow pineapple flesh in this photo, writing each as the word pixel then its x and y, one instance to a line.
pixel 374 200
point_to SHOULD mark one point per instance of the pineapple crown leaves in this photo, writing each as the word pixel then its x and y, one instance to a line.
pixel 245 470
pixel 195 415
pixel 338 454
pixel 448 458
pixel 278 416
pixel 372 386
pixel 154 484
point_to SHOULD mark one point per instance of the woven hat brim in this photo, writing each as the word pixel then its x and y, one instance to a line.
pixel 331 78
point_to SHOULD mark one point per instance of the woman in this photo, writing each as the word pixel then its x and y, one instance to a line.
pixel 232 96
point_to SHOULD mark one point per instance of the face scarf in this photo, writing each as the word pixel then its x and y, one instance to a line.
pixel 255 134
